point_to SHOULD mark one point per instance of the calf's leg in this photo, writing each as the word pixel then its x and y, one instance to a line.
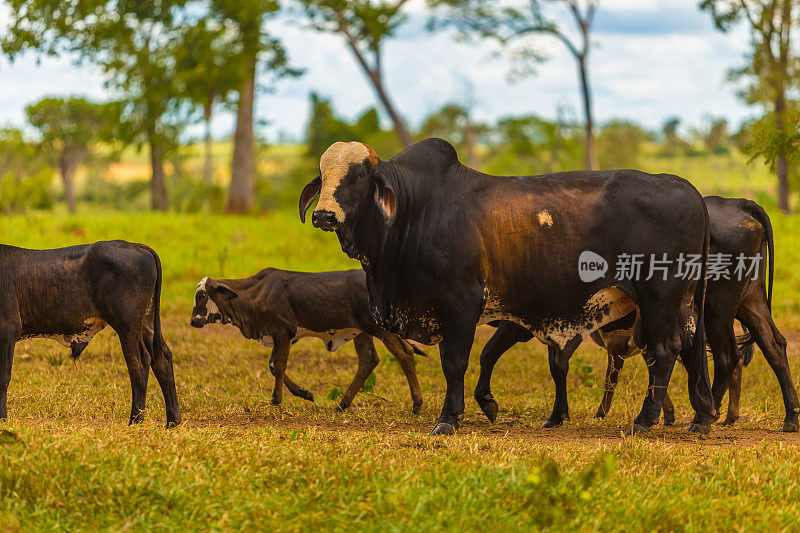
pixel 367 361
pixel 615 363
pixel 405 356
pixel 507 335
pixel 734 395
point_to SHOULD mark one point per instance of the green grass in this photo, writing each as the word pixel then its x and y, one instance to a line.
pixel 68 459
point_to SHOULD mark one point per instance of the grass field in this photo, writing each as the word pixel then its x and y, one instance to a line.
pixel 68 459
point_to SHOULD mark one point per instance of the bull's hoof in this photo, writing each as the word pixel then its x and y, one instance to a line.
pixel 790 426
pixel 275 401
pixel 416 407
pixel 669 419
pixel 443 428
pixel 306 395
pixel 339 407
pixel 636 429
pixel 173 423
pixel 553 422
pixel 490 409
pixel 715 415
pixel 600 414
pixel 700 429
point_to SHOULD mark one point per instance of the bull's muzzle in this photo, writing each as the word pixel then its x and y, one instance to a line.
pixel 324 220
pixel 197 322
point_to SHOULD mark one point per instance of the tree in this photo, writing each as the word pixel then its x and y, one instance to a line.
pixel 256 50
pixel 717 138
pixel 509 24
pixel 771 69
pixel 131 42
pixel 68 128
pixel 364 25
pixel 620 144
pixel 210 70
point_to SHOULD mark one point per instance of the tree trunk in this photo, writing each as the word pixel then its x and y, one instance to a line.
pixel 376 77
pixel 208 168
pixel 241 191
pixel 158 189
pixel 67 170
pixel 589 140
pixel 782 162
pixel 399 126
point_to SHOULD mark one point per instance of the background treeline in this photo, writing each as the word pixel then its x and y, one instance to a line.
pixel 172 64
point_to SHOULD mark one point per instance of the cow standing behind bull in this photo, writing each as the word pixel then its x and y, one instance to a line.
pixel 446 248
pixel 739 227
pixel 70 294
pixel 278 307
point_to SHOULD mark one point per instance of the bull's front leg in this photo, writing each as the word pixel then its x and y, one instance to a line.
pixel 454 352
pixel 507 335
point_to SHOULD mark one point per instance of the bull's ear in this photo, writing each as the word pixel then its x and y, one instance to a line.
pixel 226 292
pixel 307 197
pixel 386 201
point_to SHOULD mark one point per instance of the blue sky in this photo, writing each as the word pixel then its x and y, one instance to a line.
pixel 652 59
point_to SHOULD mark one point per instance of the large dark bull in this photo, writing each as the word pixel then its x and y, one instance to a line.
pixel 739 227
pixel 446 248
pixel 70 294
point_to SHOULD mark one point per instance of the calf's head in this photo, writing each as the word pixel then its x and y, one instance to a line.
pixel 346 180
pixel 209 297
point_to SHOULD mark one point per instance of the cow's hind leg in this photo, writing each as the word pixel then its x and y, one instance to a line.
pixel 137 360
pixel 559 366
pixel 367 361
pixel 734 395
pixel 507 335
pixel 722 341
pixel 757 319
pixel 405 356
pixel 9 333
pixel 161 363
pixel 615 363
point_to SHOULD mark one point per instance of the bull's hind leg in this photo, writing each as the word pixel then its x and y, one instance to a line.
pixel 507 335
pixel 367 361
pixel 755 316
pixel 405 356
pixel 559 367
pixel 660 362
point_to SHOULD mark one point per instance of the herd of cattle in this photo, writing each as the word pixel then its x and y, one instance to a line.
pixel 443 249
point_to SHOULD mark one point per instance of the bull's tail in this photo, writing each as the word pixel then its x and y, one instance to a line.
pixel 414 348
pixel 699 343
pixel 158 339
pixel 745 343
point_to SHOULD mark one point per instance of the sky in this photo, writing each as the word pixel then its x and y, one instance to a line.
pixel 652 59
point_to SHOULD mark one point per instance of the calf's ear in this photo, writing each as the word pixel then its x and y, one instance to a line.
pixel 386 201
pixel 226 292
pixel 307 197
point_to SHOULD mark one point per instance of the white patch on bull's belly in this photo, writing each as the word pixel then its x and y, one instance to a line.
pixel 94 325
pixel 333 339
pixel 603 307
